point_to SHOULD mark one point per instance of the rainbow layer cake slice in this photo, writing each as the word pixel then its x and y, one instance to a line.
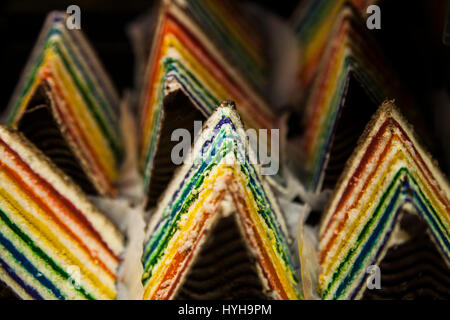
pixel 66 105
pixel 352 80
pixel 54 243
pixel 203 52
pixel 386 230
pixel 313 23
pixel 218 232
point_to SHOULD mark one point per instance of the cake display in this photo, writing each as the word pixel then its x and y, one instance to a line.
pixel 388 177
pixel 219 181
pixel 215 150
pixel 54 243
pixel 67 106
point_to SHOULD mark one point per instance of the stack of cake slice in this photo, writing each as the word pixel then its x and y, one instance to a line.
pixel 218 187
pixel 54 243
pixel 66 105
pixel 203 52
pixel 390 209
pixel 350 83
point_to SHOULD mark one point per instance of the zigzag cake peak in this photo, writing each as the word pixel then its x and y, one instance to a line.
pixel 220 180
pixel 202 53
pixel 389 174
pixel 346 70
pixel 67 106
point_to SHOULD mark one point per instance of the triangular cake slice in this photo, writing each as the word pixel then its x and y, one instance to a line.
pixel 203 52
pixel 313 22
pixel 66 105
pixel 352 81
pixel 54 243
pixel 220 180
pixel 389 179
